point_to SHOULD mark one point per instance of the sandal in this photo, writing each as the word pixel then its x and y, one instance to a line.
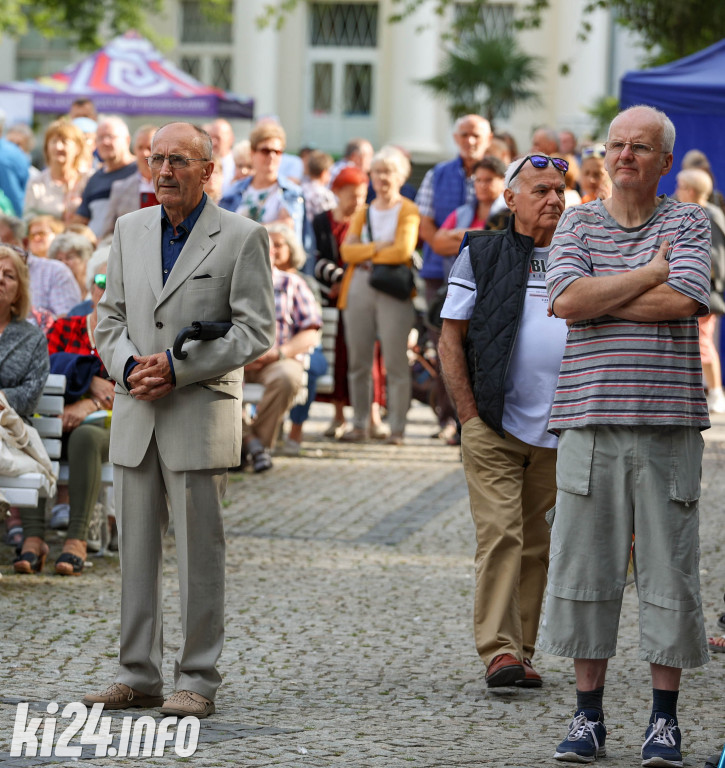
pixel 14 537
pixel 72 559
pixel 716 644
pixel 31 561
pixel 68 564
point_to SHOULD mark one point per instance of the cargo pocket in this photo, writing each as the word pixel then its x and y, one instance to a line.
pixel 574 472
pixel 686 448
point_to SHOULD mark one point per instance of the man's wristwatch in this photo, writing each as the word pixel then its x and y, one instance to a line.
pixel 281 353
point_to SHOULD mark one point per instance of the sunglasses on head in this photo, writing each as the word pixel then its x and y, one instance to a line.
pixel 541 161
pixel 100 281
pixel 20 251
pixel 599 152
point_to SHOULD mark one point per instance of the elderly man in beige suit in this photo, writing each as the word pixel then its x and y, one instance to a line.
pixel 177 424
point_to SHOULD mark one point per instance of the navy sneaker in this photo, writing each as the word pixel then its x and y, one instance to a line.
pixel 585 741
pixel 662 743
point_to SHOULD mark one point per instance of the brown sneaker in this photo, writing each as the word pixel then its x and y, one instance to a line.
pixel 184 703
pixel 120 696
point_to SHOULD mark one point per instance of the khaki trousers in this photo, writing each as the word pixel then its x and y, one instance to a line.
pixel 142 513
pixel 511 486
pixel 282 380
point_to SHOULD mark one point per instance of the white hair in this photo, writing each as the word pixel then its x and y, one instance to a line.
pixel 668 128
pixel 457 125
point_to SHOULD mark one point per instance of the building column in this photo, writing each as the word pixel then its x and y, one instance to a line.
pixel 255 57
pixel 410 52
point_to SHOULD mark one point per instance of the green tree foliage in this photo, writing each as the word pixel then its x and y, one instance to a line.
pixel 670 29
pixel 89 24
pixel 604 110
pixel 485 77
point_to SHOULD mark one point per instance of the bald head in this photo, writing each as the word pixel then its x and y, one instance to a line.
pixel 113 142
pixel 222 137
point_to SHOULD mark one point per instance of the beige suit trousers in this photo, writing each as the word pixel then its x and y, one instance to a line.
pixel 511 486
pixel 194 498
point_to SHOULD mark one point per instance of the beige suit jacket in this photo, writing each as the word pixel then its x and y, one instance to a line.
pixel 222 274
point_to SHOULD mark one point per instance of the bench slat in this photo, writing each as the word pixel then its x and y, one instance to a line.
pixel 50 405
pixel 21 497
pixel 48 426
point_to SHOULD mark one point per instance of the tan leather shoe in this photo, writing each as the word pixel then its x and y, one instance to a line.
pixel 120 696
pixel 184 703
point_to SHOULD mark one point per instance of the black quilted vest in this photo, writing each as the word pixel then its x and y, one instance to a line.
pixel 500 262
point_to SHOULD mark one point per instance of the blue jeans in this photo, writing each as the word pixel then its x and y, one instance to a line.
pixel 318 367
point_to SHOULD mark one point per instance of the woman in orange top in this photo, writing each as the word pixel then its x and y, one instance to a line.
pixel 386 232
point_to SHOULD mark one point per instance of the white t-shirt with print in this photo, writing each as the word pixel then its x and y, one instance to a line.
pixel 539 347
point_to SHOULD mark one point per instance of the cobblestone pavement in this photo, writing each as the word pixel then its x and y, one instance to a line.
pixel 349 638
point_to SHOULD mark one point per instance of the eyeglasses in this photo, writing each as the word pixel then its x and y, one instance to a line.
pixel 594 152
pixel 100 281
pixel 541 161
pixel 268 151
pixel 20 251
pixel 175 161
pixel 615 147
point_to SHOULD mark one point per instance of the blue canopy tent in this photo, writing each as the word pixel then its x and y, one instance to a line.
pixel 691 92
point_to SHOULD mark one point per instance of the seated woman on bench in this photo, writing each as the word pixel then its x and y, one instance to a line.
pixel 85 441
pixel 23 362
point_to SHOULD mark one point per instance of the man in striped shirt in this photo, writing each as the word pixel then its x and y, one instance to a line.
pixel 630 274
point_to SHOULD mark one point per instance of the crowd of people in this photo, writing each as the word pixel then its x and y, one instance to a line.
pixel 511 244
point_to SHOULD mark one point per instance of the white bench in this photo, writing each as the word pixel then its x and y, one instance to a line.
pixel 27 489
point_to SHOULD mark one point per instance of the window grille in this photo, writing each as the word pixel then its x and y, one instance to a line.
pixel 221 72
pixel 191 65
pixel 322 88
pixel 197 27
pixel 352 25
pixel 358 89
pixel 495 20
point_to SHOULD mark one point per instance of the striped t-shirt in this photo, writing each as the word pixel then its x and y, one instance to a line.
pixel 619 371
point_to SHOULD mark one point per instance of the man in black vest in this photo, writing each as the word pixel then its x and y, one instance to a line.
pixel 500 354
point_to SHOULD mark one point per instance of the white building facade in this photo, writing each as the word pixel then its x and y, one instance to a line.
pixel 339 70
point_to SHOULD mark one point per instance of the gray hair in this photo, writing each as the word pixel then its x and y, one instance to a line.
pixel 356 145
pixel 142 131
pixel 459 123
pixel 697 180
pixel 666 125
pixel 71 242
pixel 202 137
pixel 392 156
pixel 116 120
pixel 241 149
pixel 17 226
pixel 26 131
pixel 298 257
pixel 515 185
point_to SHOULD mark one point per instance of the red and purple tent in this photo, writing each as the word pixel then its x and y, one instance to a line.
pixel 129 76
